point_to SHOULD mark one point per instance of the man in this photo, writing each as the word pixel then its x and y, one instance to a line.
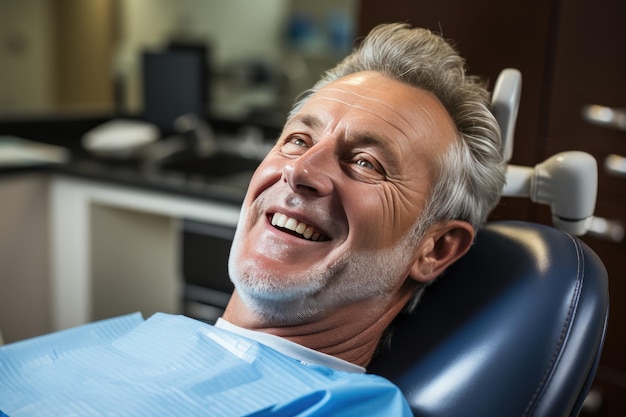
pixel 382 174
pixel 376 184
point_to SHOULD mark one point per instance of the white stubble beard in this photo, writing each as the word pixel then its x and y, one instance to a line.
pixel 307 294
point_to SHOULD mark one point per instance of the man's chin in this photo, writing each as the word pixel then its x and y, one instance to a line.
pixel 279 309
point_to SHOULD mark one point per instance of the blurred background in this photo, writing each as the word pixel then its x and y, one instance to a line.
pixel 85 56
pixel 70 66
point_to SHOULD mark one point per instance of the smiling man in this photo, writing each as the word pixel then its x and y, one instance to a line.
pixel 381 176
pixel 327 251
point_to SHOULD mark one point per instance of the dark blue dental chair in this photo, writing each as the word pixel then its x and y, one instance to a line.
pixel 515 328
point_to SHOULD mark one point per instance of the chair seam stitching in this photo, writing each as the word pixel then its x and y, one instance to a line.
pixel 564 331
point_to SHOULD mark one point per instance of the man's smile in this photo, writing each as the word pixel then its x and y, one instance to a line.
pixel 295 227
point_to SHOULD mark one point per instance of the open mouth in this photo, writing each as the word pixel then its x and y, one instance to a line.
pixel 296 228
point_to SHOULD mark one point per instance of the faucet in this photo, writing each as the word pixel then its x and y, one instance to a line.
pixel 198 133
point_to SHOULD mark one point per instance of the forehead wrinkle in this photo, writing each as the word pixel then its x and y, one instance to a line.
pixel 417 129
pixel 313 121
pixel 369 110
pixel 383 103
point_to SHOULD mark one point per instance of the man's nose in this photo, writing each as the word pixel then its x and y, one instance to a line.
pixel 313 172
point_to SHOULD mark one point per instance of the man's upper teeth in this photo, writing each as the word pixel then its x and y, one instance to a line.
pixel 308 232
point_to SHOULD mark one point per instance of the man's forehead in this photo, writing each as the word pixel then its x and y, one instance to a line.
pixel 380 102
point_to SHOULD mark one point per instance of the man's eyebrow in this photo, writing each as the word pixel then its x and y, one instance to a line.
pixel 308 120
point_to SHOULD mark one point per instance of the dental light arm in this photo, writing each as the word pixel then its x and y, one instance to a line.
pixel 505 105
pixel 567 182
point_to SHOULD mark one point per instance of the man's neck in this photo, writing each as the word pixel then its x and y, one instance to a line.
pixel 352 333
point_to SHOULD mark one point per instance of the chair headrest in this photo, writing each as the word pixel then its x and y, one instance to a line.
pixel 514 328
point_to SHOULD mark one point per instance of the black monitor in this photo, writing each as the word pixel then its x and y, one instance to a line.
pixel 174 83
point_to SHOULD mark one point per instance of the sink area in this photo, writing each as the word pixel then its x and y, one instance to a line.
pixel 199 165
pixel 224 171
pixel 216 166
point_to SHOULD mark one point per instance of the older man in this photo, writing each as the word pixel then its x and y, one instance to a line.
pixel 377 183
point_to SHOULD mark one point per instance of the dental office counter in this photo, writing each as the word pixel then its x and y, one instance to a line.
pixel 90 239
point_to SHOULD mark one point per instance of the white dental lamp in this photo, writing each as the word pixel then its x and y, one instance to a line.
pixel 567 181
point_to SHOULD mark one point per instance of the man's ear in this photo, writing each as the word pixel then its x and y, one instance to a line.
pixel 443 244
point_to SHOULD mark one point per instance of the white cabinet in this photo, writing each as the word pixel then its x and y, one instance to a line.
pixel 74 250
pixel 24 257
pixel 115 249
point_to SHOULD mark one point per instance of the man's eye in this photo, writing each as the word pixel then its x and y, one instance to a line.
pixel 294 146
pixel 298 142
pixel 363 163
pixel 366 167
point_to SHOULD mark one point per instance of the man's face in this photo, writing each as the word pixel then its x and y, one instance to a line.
pixel 329 214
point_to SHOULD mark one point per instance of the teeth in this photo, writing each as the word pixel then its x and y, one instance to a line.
pixel 300 228
pixel 280 220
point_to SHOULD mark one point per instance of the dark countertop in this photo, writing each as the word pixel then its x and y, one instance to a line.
pixel 131 173
pixel 169 181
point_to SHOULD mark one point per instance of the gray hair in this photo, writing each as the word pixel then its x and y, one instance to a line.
pixel 471 173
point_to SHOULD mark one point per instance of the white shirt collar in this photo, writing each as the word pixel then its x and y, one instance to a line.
pixel 292 349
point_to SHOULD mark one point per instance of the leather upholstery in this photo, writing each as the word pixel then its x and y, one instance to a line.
pixel 515 328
